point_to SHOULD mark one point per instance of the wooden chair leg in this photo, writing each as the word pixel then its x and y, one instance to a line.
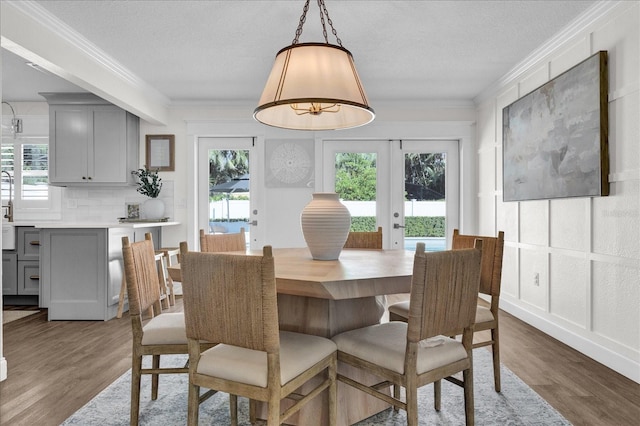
pixel 495 348
pixel 136 367
pixel 172 295
pixel 252 411
pixel 162 273
pixel 233 409
pixel 154 378
pixel 273 416
pixel 333 388
pixel 193 405
pixel 123 290
pixel 412 405
pixel 396 395
pixel 467 376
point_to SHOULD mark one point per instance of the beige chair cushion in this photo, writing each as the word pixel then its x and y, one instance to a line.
pixel 298 352
pixel 483 314
pixel 165 329
pixel 384 345
pixel 400 308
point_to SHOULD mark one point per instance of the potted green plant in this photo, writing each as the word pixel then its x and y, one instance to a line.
pixel 150 184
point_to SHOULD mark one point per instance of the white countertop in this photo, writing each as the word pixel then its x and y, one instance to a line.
pixel 92 224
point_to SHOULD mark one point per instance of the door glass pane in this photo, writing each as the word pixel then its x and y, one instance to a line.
pixel 425 200
pixel 229 197
pixel 356 185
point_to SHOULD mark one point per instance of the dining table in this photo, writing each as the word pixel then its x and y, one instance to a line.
pixel 328 297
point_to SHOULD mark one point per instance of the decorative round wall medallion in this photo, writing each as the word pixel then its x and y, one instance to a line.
pixel 290 163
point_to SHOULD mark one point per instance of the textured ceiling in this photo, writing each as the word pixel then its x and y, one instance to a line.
pixel 223 50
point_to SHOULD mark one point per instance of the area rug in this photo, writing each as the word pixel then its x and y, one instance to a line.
pixel 517 404
pixel 9 316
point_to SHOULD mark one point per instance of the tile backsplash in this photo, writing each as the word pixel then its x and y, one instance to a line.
pixel 107 204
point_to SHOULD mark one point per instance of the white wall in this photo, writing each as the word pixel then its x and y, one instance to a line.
pixel 585 250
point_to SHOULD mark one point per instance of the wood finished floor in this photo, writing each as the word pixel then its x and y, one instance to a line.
pixel 56 367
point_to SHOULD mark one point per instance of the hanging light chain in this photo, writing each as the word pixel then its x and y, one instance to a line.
pixel 303 18
pixel 323 12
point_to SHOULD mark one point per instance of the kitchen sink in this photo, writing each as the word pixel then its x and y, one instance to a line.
pixel 8 236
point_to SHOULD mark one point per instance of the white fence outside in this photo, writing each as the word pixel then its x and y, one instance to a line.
pixel 239 209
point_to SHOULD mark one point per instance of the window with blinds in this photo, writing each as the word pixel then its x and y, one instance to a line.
pixel 35 172
pixel 28 164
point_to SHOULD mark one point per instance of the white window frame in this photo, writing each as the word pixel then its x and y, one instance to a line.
pixel 25 210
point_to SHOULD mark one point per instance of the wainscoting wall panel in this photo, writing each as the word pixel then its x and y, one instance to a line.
pixel 571 267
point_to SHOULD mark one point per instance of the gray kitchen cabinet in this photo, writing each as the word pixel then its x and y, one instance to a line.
pixel 21 268
pixel 29 277
pixel 91 142
pixel 9 273
pixel 82 270
pixel 28 243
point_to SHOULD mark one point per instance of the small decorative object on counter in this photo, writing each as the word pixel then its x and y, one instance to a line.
pixel 150 184
pixel 325 225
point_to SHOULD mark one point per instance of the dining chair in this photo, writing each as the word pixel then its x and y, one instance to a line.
pixel 163 283
pixel 163 333
pixel 444 289
pixel 171 258
pixel 230 300
pixel 490 279
pixel 364 239
pixel 212 243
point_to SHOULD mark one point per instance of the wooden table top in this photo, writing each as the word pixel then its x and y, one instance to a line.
pixel 357 273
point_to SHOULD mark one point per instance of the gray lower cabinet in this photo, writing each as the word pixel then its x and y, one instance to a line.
pixel 29 277
pixel 21 268
pixel 82 270
pixel 9 273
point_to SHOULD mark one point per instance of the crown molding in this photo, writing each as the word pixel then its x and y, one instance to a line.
pixel 573 29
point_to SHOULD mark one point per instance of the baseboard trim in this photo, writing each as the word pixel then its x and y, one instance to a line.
pixel 625 366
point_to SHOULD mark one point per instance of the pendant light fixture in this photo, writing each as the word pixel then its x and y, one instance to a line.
pixel 314 86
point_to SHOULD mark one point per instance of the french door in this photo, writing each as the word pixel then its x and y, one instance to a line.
pixel 408 187
pixel 224 185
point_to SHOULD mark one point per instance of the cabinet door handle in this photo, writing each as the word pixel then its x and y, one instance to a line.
pixel 34 277
pixel 34 243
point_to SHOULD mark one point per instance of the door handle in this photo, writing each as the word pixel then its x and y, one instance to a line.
pixel 254 223
pixel 398 226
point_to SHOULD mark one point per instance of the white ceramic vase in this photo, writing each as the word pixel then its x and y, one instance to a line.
pixel 325 225
pixel 154 208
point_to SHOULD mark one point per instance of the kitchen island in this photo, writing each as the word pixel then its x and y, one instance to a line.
pixel 81 266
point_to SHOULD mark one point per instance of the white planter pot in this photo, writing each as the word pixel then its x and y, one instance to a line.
pixel 154 208
pixel 325 225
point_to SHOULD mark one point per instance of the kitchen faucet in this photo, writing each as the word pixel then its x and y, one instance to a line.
pixel 9 206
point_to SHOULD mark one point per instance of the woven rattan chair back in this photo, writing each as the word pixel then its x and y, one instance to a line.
pixel 365 239
pixel 444 290
pixel 241 288
pixel 213 243
pixel 141 275
pixel 492 249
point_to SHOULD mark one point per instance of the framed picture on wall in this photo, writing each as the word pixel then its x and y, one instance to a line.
pixel 160 153
pixel 555 139
pixel 133 210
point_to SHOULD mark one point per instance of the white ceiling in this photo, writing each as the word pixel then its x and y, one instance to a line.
pixel 217 51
